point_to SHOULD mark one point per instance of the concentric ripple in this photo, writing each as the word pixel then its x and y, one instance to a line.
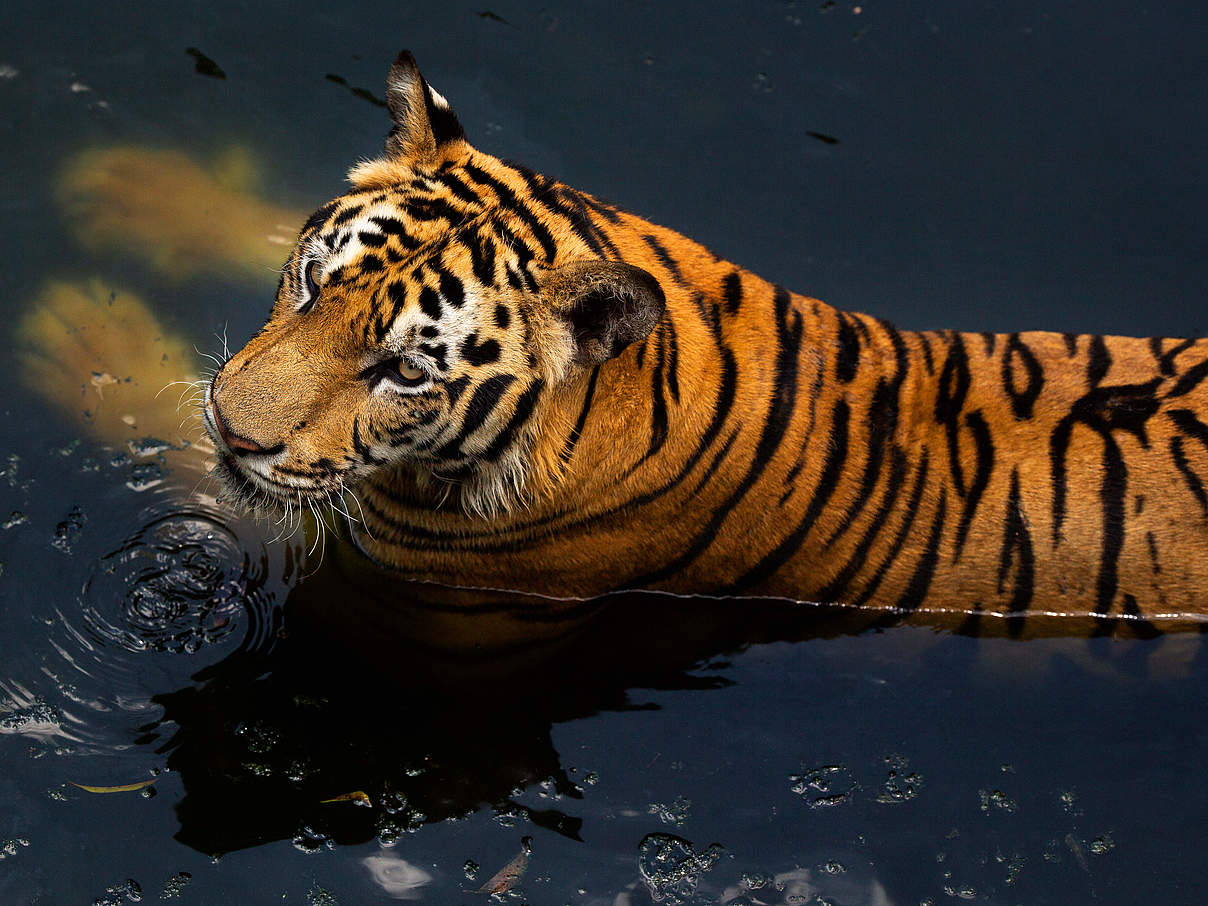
pixel 181 583
pixel 186 591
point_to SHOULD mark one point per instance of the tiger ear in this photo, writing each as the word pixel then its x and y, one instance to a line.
pixel 607 305
pixel 423 119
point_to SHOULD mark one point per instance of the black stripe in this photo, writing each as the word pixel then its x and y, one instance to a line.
pixel 605 210
pixel 524 408
pixel 726 392
pixel 394 227
pixel 433 209
pixel 895 548
pixel 1190 380
pixel 731 291
pixel 451 288
pixel 429 303
pixel 346 215
pixel 658 406
pixel 1141 628
pixel 479 354
pixel 576 432
pixel 1168 357
pixel 1124 407
pixel 318 217
pixel 1155 349
pixel 830 593
pixel 981 477
pixel 482 403
pixel 437 353
pixel 1112 491
pixel 672 359
pixel 451 182
pixel 836 458
pixel 510 241
pixel 482 258
pixel 455 388
pixel 924 572
pixel 1195 483
pixel 396 291
pixel 928 359
pixel 560 200
pixel 665 258
pixel 954 386
pixel 722 452
pixel 1016 551
pixel 359 445
pixel 1191 426
pixel 882 425
pixel 508 200
pixel 1018 353
pixel 848 359
pixel 1059 445
pixel 882 416
pixel 1099 361
pixel 585 228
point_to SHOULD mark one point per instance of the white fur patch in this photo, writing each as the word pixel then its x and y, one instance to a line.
pixel 438 99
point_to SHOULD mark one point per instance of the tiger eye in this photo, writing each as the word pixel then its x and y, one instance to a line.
pixel 408 372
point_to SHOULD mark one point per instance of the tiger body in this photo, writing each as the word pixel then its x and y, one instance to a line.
pixel 764 443
pixel 526 388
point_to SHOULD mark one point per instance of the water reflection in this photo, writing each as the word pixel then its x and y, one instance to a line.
pixel 379 706
pixel 427 733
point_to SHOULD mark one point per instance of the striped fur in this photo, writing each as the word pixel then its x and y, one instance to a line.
pixel 749 441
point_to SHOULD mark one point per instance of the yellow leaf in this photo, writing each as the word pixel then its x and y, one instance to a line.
pixel 357 796
pixel 125 788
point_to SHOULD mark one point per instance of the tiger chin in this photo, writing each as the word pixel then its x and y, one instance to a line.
pixel 526 387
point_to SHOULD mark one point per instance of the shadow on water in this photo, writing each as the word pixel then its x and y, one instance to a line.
pixel 377 711
pixel 426 732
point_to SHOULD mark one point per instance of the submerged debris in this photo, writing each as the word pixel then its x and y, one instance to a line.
pixel 509 876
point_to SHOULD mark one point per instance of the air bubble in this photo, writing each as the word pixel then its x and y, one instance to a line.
pixel 175 885
pixel 825 786
pixel 899 786
pixel 67 532
pixel 670 867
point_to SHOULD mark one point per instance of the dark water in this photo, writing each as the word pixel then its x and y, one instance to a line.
pixel 982 166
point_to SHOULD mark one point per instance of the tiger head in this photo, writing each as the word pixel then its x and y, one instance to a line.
pixel 425 322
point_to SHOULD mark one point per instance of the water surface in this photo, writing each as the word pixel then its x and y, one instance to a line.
pixel 989 166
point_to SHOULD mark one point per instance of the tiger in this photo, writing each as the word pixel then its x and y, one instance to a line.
pixel 508 383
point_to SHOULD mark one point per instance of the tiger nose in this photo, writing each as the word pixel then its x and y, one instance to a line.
pixel 240 446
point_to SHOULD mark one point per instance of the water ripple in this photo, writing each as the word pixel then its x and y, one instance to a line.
pixel 181 583
pixel 187 590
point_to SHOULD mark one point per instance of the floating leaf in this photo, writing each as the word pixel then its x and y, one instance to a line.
pixel 124 788
pixel 360 797
pixel 509 876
